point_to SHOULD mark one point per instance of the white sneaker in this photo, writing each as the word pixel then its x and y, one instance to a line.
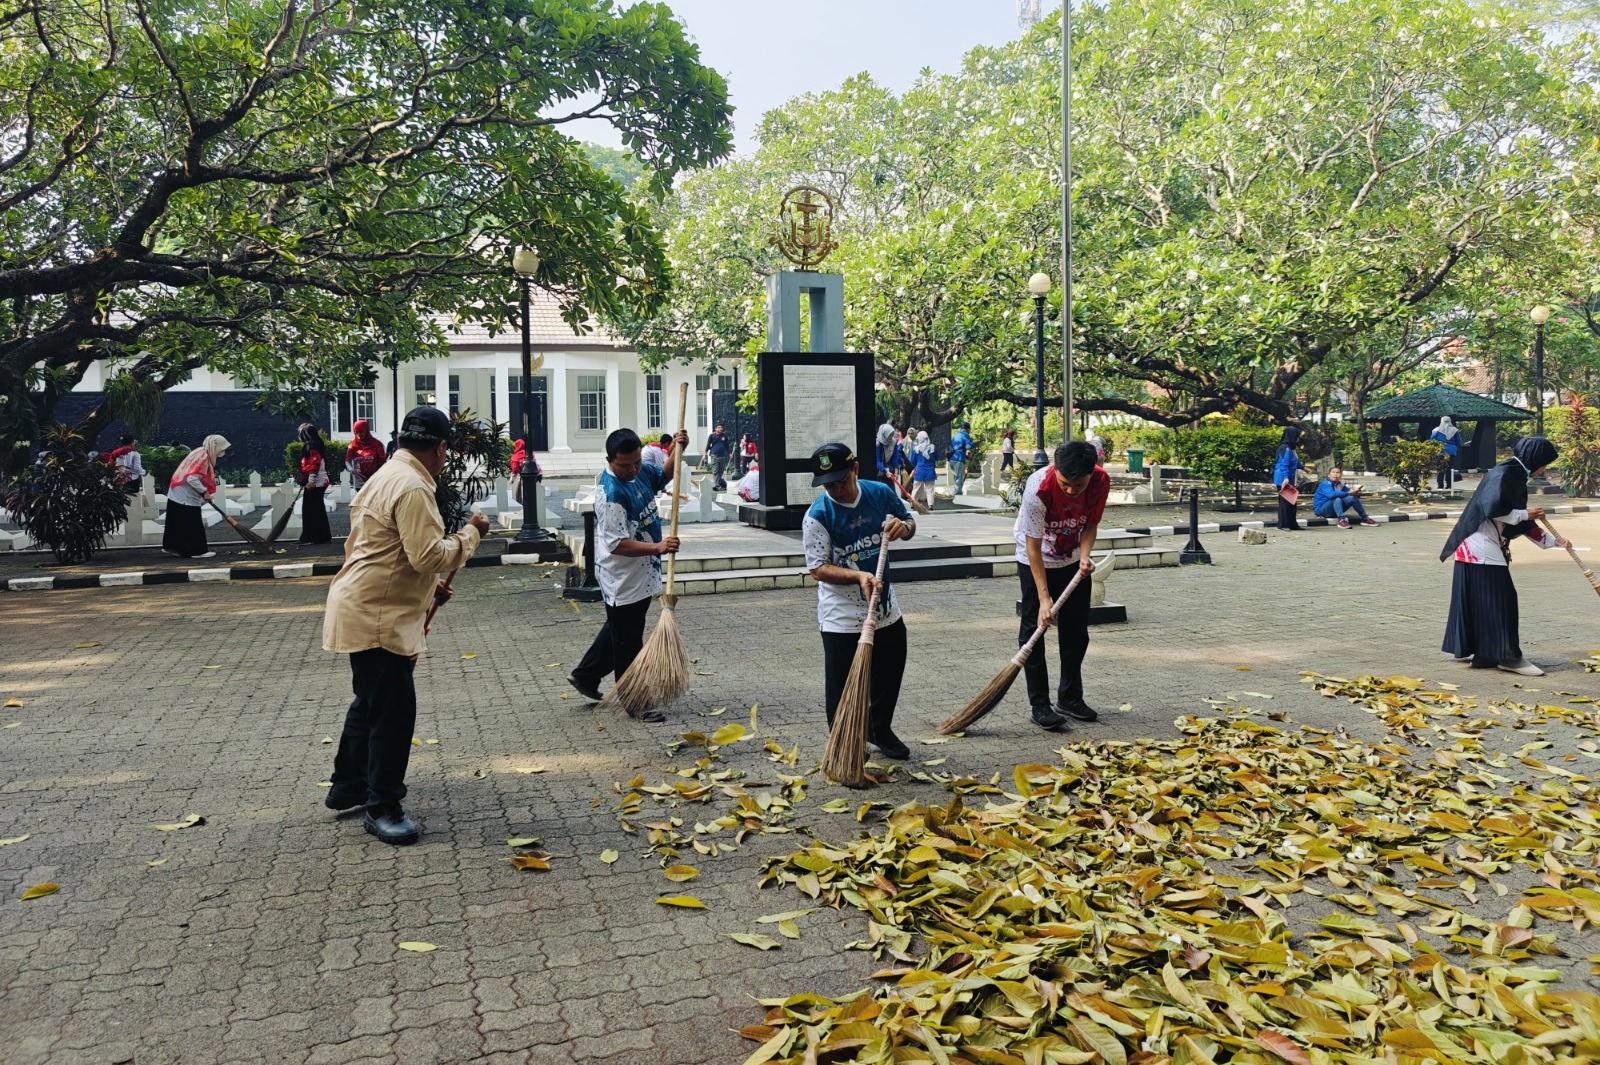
pixel 208 554
pixel 1522 666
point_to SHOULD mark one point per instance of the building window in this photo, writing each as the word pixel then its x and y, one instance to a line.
pixel 725 382
pixel 652 400
pixel 592 401
pixel 702 400
pixel 425 388
pixel 353 405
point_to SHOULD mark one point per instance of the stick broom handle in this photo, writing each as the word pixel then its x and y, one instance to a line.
pixel 677 474
pixel 427 622
pixel 1055 608
pixel 1587 572
pixel 869 627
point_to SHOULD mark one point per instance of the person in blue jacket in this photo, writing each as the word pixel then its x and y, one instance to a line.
pixel 1447 436
pixel 1333 500
pixel 1284 468
pixel 923 456
pixel 961 444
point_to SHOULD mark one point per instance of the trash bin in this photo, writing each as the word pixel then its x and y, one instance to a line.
pixel 1135 459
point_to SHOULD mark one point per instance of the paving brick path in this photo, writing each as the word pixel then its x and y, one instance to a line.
pixel 270 932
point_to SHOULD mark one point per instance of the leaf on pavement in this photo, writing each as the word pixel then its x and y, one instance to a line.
pixel 530 861
pixel 522 841
pixel 754 939
pixel 732 732
pixel 680 873
pixel 417 947
pixel 685 902
pixel 39 891
pixel 189 821
pixel 609 856
pixel 15 839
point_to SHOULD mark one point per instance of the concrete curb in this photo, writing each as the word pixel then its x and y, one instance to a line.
pixel 288 570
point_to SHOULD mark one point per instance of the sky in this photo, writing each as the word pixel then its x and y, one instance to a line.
pixel 771 50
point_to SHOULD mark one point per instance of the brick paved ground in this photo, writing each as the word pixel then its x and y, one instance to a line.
pixel 269 933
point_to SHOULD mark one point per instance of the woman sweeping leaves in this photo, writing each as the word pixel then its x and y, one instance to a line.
pixel 193 483
pixel 1482 626
pixel 314 475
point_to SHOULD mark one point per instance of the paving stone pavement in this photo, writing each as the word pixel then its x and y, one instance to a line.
pixel 270 932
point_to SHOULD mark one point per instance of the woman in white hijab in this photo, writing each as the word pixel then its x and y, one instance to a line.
pixel 194 482
pixel 923 457
pixel 1448 437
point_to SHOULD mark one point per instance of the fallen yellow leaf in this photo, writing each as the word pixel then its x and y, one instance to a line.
pixel 680 873
pixel 465 655
pixel 417 947
pixel 15 839
pixel 189 821
pixel 156 861
pixel 530 861
pixel 13 704
pixel 522 841
pixel 686 902
pixel 609 856
pixel 39 891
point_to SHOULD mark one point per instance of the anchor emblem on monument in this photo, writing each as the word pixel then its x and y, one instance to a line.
pixel 806 218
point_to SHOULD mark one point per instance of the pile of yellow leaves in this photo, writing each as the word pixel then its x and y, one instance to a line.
pixel 1131 906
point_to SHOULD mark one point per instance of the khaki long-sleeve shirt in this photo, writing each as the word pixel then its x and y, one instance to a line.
pixel 396 550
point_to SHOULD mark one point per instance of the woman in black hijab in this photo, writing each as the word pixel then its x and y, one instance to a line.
pixel 314 475
pixel 1285 466
pixel 1483 602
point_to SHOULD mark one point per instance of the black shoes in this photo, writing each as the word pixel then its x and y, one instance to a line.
pixel 889 745
pixel 1049 720
pixel 1078 710
pixel 588 689
pixel 346 796
pixel 392 826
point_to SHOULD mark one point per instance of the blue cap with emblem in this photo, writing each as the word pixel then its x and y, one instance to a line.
pixel 830 463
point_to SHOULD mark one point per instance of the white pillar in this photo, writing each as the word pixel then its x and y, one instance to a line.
pixel 441 385
pixel 502 392
pixel 560 441
pixel 613 398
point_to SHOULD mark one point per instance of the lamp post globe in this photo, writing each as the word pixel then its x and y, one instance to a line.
pixel 1038 288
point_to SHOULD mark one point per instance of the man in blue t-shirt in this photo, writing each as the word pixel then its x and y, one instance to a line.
pixel 843 532
pixel 628 546
pixel 961 444
pixel 717 451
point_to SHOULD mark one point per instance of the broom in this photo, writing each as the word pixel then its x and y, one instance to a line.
pixel 920 508
pixel 990 697
pixel 433 608
pixel 250 535
pixel 283 519
pixel 1594 582
pixel 660 673
pixel 845 758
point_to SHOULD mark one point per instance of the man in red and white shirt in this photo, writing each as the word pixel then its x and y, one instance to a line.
pixel 1055 532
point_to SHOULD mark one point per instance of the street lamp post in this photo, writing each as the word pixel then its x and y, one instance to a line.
pixel 532 539
pixel 1540 315
pixel 1039 288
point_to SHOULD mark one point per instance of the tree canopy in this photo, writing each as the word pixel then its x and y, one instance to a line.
pixel 1258 185
pixel 279 188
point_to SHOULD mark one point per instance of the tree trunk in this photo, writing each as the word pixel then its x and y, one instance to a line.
pixel 1358 402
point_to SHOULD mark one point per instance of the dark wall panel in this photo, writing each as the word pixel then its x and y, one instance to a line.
pixel 258 436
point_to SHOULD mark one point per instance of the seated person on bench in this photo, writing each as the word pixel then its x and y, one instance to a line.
pixel 1334 500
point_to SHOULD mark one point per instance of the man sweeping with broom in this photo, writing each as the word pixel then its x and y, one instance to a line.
pixel 628 546
pixel 844 531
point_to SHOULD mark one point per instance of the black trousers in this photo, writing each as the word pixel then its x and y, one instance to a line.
pixel 616 645
pixel 185 530
pixel 375 746
pixel 888 669
pixel 314 517
pixel 1288 514
pixel 1072 636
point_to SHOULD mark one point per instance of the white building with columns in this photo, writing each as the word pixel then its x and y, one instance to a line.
pixel 586 384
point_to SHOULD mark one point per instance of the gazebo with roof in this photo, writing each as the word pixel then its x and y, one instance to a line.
pixel 1423 407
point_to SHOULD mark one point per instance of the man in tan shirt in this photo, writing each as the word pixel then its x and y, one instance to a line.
pixel 377 605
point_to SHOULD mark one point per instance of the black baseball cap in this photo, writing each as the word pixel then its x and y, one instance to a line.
pixel 830 463
pixel 430 422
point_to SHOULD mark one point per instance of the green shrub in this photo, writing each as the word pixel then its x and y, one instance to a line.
pixel 1409 463
pixel 294 451
pixel 66 500
pixel 161 463
pixel 1575 429
pixel 1222 452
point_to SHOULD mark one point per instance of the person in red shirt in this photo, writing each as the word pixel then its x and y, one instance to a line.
pixel 1055 532
pixel 365 456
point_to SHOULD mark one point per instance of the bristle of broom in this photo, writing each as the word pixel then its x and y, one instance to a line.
pixel 658 675
pixel 982 703
pixel 845 758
